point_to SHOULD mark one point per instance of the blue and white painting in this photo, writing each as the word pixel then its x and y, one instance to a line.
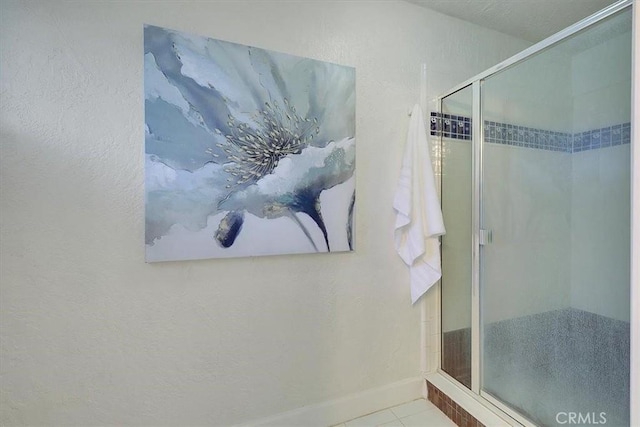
pixel 247 151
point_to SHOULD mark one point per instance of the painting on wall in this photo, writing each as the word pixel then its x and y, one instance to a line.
pixel 248 151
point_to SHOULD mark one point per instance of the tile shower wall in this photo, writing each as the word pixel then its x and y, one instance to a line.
pixel 600 208
pixel 450 126
pixel 526 194
pixel 456 348
pixel 456 208
pixel 608 136
pixel 600 212
pixel 588 172
pixel 573 176
pixel 459 127
pixel 522 136
pixel 596 88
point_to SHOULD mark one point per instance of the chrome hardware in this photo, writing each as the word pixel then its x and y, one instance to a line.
pixel 485 237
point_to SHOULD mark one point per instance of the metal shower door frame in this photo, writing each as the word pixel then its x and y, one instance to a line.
pixel 477 142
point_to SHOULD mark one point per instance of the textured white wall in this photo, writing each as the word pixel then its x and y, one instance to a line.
pixel 93 335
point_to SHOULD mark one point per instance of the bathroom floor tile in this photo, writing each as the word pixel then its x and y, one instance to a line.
pixel 411 408
pixel 418 413
pixel 373 420
pixel 429 418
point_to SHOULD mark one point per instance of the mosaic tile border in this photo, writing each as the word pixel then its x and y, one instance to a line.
pixel 450 408
pixel 451 126
pixel 459 127
pixel 522 136
pixel 456 355
pixel 604 137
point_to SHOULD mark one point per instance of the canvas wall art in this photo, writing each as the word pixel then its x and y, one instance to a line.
pixel 247 151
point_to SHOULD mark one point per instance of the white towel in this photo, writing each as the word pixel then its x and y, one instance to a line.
pixel 419 217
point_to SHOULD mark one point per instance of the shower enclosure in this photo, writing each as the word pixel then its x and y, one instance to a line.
pixel 535 173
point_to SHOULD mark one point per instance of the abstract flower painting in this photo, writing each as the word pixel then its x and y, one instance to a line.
pixel 247 151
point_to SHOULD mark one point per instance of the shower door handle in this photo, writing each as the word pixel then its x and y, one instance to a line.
pixel 485 237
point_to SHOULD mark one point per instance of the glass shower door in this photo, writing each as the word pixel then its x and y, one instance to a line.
pixel 554 263
pixel 456 171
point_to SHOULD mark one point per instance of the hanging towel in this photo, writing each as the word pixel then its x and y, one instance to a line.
pixel 418 214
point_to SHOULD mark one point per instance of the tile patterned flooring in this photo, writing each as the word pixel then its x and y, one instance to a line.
pixel 418 413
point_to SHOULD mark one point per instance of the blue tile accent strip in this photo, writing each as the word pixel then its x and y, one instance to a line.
pixel 451 126
pixel 522 136
pixel 459 127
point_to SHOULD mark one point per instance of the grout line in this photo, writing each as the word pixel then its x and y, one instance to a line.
pixel 429 408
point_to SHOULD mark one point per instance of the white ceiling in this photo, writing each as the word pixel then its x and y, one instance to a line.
pixel 531 20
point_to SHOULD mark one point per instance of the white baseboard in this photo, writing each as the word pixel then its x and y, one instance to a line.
pixel 346 408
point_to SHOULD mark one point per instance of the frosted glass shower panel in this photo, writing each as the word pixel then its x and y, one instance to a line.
pixel 456 156
pixel 554 280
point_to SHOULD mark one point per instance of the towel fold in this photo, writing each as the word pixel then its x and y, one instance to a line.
pixel 418 214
